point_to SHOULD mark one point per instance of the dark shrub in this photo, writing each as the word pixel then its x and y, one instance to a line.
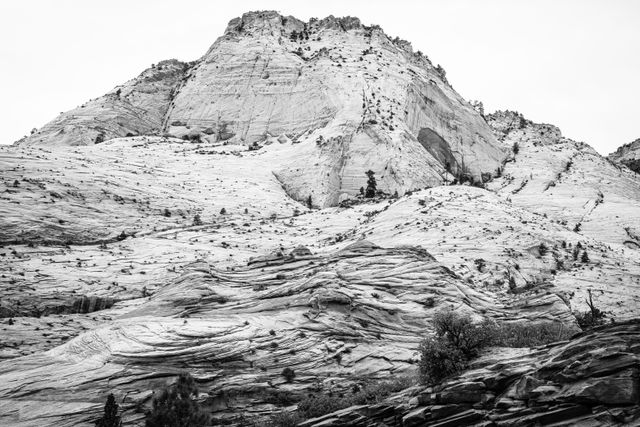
pixel 175 406
pixel 285 419
pixel 458 340
pixel 530 334
pixel 371 185
pixel 288 374
pixel 439 359
pixel 110 417
pixel 462 333
pixel 543 249
pixel 584 258
pixel 316 405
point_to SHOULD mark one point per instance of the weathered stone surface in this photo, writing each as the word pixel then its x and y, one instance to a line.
pixel 326 90
pixel 137 107
pixel 628 155
pixel 611 397
pixel 127 262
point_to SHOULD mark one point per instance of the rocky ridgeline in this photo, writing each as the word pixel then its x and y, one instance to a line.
pixel 362 100
pixel 593 379
pixel 628 155
pixel 138 107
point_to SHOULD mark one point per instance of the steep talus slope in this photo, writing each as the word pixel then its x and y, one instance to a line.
pixel 138 107
pixel 590 380
pixel 628 155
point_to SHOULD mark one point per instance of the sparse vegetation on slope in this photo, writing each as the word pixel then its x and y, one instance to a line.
pixel 176 405
pixel 458 339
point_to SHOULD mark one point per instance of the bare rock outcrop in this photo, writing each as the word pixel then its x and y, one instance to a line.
pixel 138 107
pixel 356 98
pixel 628 155
pixel 590 380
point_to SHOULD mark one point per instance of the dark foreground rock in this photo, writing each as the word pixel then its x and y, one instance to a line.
pixel 590 380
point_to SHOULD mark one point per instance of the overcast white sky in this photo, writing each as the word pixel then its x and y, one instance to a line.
pixel 572 63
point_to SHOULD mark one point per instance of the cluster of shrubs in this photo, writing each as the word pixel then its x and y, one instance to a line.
pixel 175 405
pixel 458 339
pixel 316 405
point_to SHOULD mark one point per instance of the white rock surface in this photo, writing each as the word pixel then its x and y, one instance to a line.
pixel 126 262
pixel 366 101
pixel 628 155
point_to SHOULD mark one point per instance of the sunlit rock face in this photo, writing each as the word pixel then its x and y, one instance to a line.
pixel 628 155
pixel 357 98
pixel 567 181
pixel 226 236
pixel 137 107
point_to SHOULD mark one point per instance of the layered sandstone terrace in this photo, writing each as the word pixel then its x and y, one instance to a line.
pixel 206 217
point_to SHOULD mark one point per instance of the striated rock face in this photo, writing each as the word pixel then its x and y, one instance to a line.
pixel 590 380
pixel 353 98
pixel 137 107
pixel 198 245
pixel 567 181
pixel 347 292
pixel 628 155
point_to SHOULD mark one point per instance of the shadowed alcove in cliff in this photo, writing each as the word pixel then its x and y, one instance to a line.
pixel 437 146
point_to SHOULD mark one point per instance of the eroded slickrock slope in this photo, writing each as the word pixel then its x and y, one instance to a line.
pixel 206 217
pixel 138 107
pixel 343 295
pixel 364 100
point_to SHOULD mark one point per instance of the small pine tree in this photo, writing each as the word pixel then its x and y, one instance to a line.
pixel 585 257
pixel 575 253
pixel 515 148
pixel 542 249
pixel 309 202
pixel 223 211
pixel 197 220
pixel 371 184
pixel 110 417
pixel 176 406
pixel 288 374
